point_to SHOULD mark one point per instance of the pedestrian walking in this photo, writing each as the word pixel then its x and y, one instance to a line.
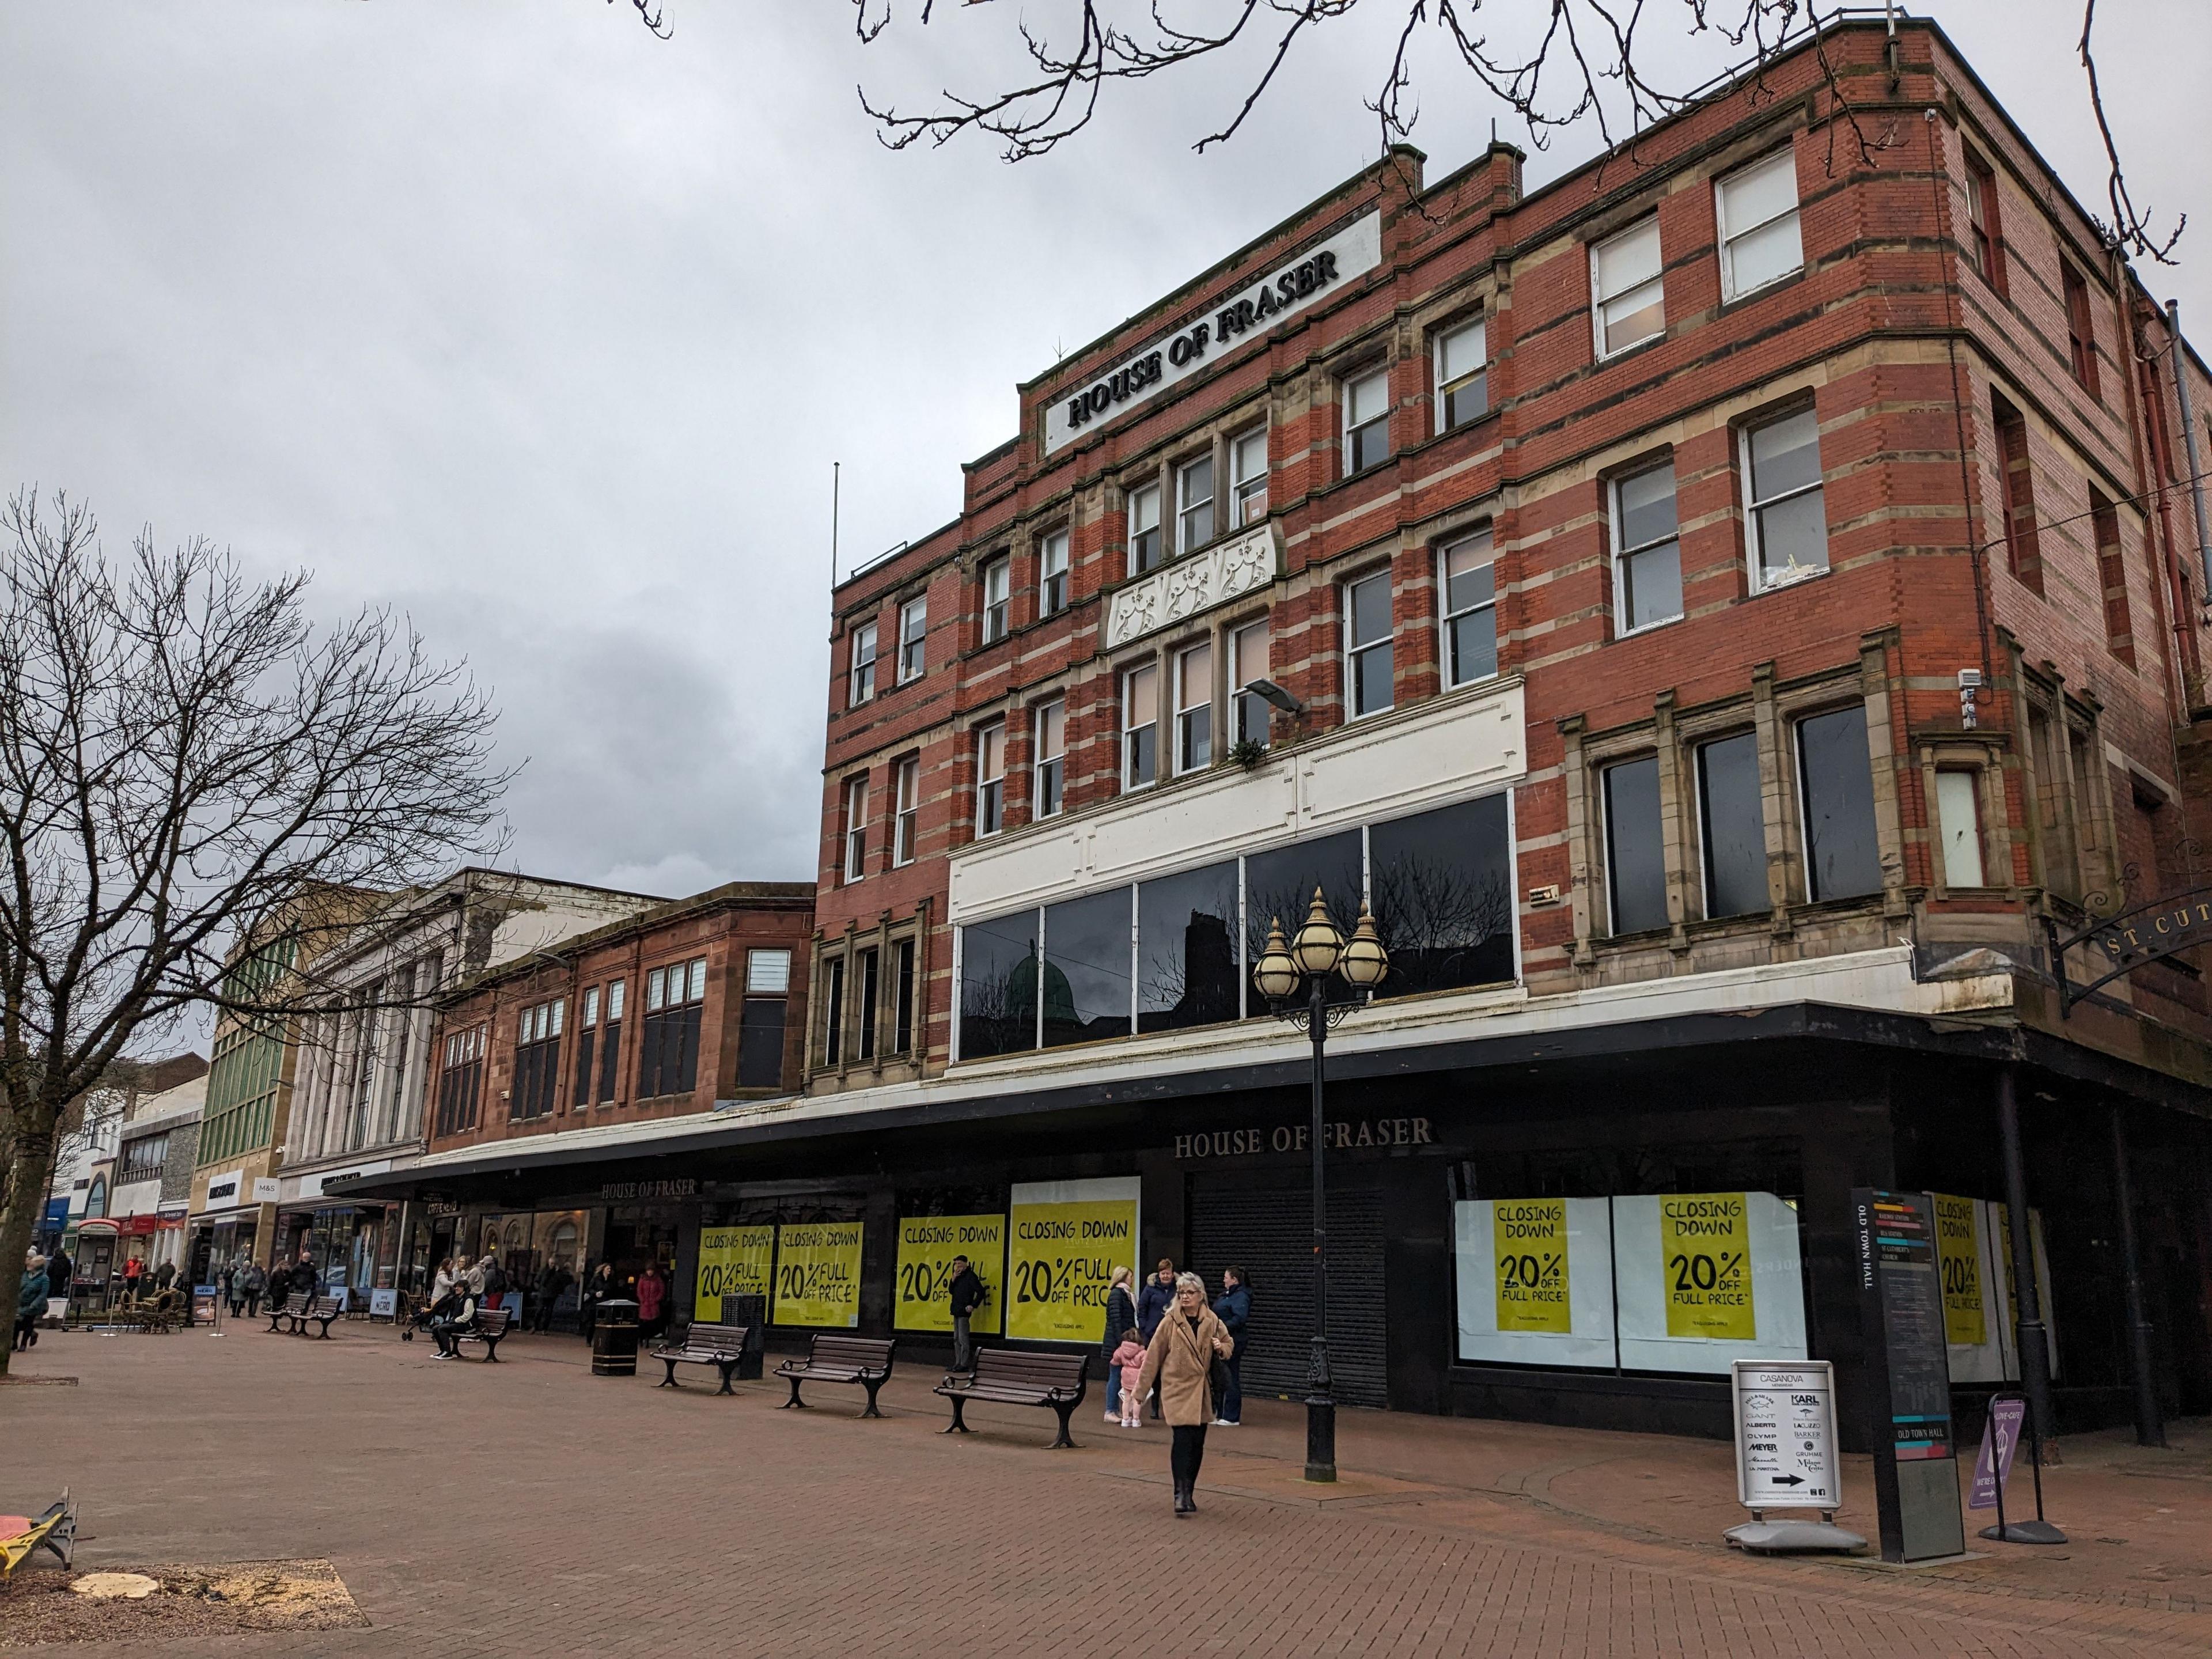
pixel 652 1296
pixel 30 1301
pixel 255 1284
pixel 1233 1308
pixel 58 1269
pixel 230 1283
pixel 599 1287
pixel 966 1294
pixel 1179 1362
pixel 1152 1302
pixel 165 1275
pixel 1121 1316
pixel 1126 1366
pixel 305 1280
pixel 132 1270
pixel 552 1280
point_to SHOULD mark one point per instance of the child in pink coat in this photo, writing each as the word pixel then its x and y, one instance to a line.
pixel 1130 1357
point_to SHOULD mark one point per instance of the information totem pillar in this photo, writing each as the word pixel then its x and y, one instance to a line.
pixel 1915 1468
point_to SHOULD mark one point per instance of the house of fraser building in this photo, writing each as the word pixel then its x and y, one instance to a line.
pixel 1718 611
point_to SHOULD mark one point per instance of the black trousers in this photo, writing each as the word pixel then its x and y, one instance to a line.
pixel 1187 1453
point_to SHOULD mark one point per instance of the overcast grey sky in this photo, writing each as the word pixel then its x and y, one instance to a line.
pixel 547 331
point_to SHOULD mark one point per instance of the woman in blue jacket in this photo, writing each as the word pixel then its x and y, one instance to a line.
pixel 1234 1309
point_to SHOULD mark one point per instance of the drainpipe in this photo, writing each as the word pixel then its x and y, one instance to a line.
pixel 2188 436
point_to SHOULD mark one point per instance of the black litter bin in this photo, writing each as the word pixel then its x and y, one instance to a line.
pixel 614 1340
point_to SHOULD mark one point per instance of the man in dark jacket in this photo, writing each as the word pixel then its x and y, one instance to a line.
pixel 1152 1304
pixel 1234 1310
pixel 165 1275
pixel 306 1281
pixel 966 1293
pixel 58 1269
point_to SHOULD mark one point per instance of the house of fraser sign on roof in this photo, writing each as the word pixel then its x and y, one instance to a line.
pixel 1352 252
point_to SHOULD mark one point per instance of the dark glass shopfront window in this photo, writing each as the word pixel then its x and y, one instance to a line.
pixel 1086 968
pixel 1281 885
pixel 1636 870
pixel 997 985
pixel 1187 966
pixel 1443 896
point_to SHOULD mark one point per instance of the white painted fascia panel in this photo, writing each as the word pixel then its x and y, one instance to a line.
pixel 1392 765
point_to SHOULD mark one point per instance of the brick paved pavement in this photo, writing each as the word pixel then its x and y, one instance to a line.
pixel 530 1508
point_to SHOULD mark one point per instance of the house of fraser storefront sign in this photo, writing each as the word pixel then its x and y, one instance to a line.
pixel 1146 372
pixel 2129 940
pixel 1345 1135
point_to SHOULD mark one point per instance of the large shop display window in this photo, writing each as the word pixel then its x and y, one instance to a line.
pixel 1175 952
pixel 1680 1282
pixel 1973 1241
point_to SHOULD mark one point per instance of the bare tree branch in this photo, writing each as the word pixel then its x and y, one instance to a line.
pixel 2129 230
pixel 200 791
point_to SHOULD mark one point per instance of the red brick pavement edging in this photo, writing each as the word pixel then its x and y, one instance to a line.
pixel 528 1507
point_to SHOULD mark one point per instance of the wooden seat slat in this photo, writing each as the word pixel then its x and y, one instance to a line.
pixel 722 1347
pixel 1016 1377
pixel 866 1360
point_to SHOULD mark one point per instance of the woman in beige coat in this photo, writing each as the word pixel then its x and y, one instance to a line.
pixel 1182 1352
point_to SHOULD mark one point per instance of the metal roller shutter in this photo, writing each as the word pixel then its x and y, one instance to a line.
pixel 1265 1227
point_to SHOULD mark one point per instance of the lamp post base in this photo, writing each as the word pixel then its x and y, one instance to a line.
pixel 1321 1438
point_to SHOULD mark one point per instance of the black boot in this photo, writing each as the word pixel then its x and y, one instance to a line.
pixel 1182 1504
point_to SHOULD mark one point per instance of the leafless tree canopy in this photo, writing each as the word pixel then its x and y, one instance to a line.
pixel 191 769
pixel 1588 61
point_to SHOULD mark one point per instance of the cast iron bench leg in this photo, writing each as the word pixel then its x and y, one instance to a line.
pixel 871 1387
pixel 669 1382
pixel 794 1400
pixel 1066 1410
pixel 729 1367
pixel 327 1327
pixel 491 1351
pixel 959 1425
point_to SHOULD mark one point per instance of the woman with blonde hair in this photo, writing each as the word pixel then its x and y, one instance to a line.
pixel 1179 1362
pixel 1121 1316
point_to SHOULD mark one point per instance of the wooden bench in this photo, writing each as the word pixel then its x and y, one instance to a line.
pixel 291 1307
pixel 720 1345
pixel 488 1327
pixel 1014 1376
pixel 866 1360
pixel 21 1535
pixel 322 1310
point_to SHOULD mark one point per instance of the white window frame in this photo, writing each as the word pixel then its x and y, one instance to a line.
pixel 856 829
pixel 1151 492
pixel 1130 727
pixel 990 786
pixel 862 660
pixel 1447 616
pixel 913 639
pixel 906 804
pixel 1247 489
pixel 1969 780
pixel 1621 553
pixel 767 971
pixel 1240 700
pixel 1755 506
pixel 1055 762
pixel 1783 159
pixel 1481 372
pixel 1187 707
pixel 1052 566
pixel 1353 653
pixel 1601 301
pixel 1351 386
pixel 1188 507
pixel 997 618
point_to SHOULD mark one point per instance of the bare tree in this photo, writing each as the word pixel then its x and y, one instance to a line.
pixel 200 789
pixel 1586 61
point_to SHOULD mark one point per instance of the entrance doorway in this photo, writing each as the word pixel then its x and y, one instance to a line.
pixel 1263 1224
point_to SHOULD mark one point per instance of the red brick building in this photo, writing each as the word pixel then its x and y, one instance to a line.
pixel 1724 614
pixel 662 1014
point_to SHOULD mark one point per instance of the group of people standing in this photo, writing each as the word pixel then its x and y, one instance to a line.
pixel 1168 1343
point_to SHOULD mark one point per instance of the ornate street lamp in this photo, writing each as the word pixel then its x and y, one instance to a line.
pixel 1319 950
